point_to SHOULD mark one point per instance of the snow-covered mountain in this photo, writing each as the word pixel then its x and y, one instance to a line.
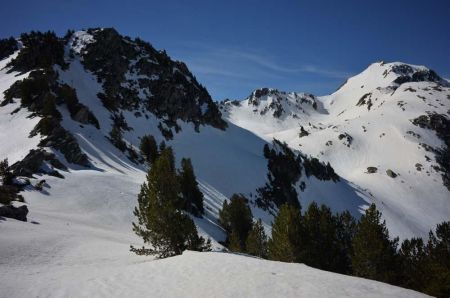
pixel 73 111
pixel 385 130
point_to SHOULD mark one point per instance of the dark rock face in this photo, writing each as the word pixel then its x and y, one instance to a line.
pixel 391 173
pixel 19 213
pixel 372 170
pixel 278 98
pixel 33 163
pixel 366 99
pixel 173 92
pixel 440 124
pixel 408 74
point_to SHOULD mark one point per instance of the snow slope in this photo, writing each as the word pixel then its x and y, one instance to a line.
pixel 76 242
pixel 354 136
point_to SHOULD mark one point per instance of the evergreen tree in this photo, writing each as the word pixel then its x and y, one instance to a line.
pixel 374 254
pixel 5 173
pixel 236 217
pixel 256 243
pixel 286 230
pixel 149 149
pixel 161 223
pixel 345 229
pixel 320 247
pixel 437 266
pixel 192 196
pixel 234 243
pixel 413 257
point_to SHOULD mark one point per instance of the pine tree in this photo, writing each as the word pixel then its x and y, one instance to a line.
pixel 236 217
pixel 161 223
pixel 286 232
pixel 234 243
pixel 149 149
pixel 192 196
pixel 5 173
pixel 346 229
pixel 374 254
pixel 256 243
pixel 413 257
pixel 437 266
pixel 319 247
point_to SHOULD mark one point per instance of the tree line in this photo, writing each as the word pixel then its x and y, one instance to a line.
pixel 317 237
pixel 339 243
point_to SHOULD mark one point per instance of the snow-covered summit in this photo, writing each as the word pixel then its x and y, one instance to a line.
pixel 391 116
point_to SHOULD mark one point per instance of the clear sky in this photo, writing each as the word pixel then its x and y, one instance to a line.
pixel 234 47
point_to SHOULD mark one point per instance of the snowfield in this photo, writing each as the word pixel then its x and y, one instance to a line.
pixel 77 238
pixel 365 123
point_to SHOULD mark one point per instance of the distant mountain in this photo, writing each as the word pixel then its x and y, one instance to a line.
pixel 385 130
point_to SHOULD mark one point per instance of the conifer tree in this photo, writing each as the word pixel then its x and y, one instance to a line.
pixel 374 254
pixel 236 217
pixel 234 243
pixel 256 243
pixel 149 149
pixel 319 247
pixel 437 266
pixel 345 229
pixel 161 223
pixel 286 230
pixel 192 196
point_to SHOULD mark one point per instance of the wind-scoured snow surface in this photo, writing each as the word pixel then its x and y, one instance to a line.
pixel 354 134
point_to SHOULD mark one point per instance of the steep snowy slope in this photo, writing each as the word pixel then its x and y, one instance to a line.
pixel 391 117
pixel 86 118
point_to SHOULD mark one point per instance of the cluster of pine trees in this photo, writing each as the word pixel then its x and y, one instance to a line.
pixel 164 202
pixel 318 237
pixel 339 243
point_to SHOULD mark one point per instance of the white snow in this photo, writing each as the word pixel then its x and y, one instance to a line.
pixel 414 202
pixel 76 243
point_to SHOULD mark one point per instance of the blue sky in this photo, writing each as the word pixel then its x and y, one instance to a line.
pixel 234 47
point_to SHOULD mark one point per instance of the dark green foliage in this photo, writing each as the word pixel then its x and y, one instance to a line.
pixel 149 149
pixel 321 247
pixel 236 217
pixel 192 196
pixel 165 131
pixel 425 267
pixel 8 190
pixel 32 90
pixel 36 94
pixel 413 260
pixel 7 47
pixel 234 243
pixel 5 172
pixel 345 229
pixel 161 223
pixel 115 135
pixel 284 171
pixel 256 243
pixel 437 266
pixel 286 235
pixel 374 254
pixel 313 167
pixel 41 50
